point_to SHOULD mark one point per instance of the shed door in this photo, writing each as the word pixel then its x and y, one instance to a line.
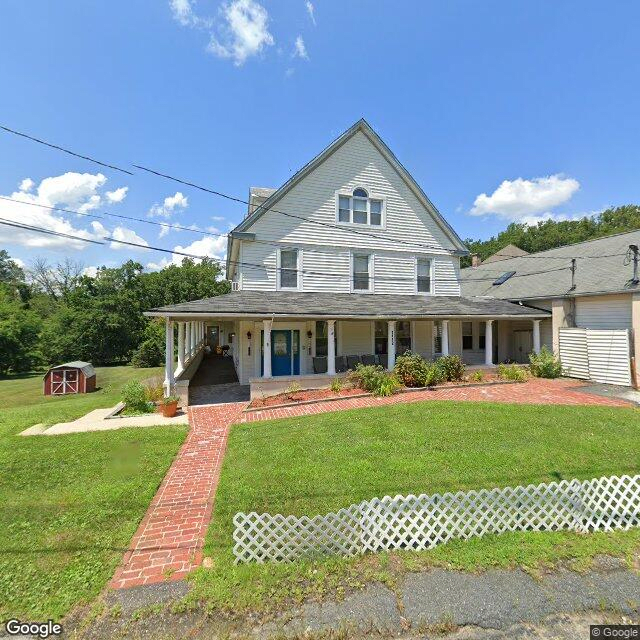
pixel 64 381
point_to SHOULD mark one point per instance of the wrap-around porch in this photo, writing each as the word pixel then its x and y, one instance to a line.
pixel 264 356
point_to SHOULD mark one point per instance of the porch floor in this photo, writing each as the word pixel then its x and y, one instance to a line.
pixel 216 382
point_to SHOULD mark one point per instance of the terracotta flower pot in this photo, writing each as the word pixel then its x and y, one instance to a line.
pixel 170 410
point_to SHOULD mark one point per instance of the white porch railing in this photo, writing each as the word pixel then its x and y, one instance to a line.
pixel 424 521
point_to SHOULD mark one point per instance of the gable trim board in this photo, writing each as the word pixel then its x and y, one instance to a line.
pixel 359 127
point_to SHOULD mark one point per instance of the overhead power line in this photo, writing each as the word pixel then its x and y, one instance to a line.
pixel 59 148
pixel 221 194
pixel 248 265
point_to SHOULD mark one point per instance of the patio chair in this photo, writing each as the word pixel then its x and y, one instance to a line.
pixel 352 361
pixel 341 364
pixel 369 359
pixel 319 365
pixel 383 360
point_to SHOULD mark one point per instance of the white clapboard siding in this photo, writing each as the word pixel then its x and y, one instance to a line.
pixel 601 355
pixel 357 163
pixel 447 276
pixel 326 270
pixel 604 312
pixel 609 360
pixel 573 353
pixel 394 273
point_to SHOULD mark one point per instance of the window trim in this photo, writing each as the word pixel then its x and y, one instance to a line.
pixel 371 257
pixel 372 196
pixel 432 273
pixel 279 286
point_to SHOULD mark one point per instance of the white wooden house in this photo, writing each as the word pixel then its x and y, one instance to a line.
pixel 348 258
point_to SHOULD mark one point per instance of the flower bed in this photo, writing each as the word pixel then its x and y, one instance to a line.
pixel 308 396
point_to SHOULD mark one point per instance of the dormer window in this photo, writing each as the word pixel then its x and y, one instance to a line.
pixel 359 207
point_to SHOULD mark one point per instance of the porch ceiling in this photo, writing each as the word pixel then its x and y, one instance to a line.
pixel 297 304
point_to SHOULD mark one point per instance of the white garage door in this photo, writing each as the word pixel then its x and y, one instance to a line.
pixel 596 354
pixel 604 312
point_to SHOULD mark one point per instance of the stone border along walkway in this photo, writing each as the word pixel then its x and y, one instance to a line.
pixel 168 543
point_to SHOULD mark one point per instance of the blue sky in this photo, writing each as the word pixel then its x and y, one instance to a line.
pixel 534 105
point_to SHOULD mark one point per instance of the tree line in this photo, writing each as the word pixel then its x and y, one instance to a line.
pixel 51 314
pixel 551 234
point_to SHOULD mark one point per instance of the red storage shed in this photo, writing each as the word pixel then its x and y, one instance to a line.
pixel 71 377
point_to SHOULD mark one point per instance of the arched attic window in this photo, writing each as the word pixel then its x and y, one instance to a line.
pixel 359 208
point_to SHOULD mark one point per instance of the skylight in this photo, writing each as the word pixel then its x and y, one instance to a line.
pixel 504 277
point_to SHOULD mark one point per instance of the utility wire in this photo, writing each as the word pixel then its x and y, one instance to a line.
pixel 71 153
pixel 249 265
pixel 220 193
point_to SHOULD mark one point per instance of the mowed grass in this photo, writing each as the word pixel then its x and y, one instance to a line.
pixel 70 504
pixel 316 464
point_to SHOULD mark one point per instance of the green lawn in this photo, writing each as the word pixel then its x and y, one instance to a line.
pixel 320 463
pixel 70 504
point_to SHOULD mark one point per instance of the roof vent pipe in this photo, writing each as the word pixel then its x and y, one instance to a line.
pixel 573 274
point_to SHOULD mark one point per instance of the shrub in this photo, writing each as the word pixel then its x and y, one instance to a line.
pixel 336 385
pixel 545 364
pixel 512 372
pixel 434 375
pixel 148 354
pixel 452 367
pixel 154 389
pixel 375 379
pixel 411 369
pixel 134 396
pixel 477 376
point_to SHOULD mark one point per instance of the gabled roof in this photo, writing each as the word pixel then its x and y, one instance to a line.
pixel 85 367
pixel 602 266
pixel 510 251
pixel 361 126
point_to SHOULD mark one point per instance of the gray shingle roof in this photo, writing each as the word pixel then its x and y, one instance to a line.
pixel 346 305
pixel 600 269
pixel 85 367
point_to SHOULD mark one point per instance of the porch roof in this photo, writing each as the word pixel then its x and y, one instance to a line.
pixel 298 304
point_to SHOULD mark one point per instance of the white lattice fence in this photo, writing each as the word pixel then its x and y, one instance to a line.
pixel 424 521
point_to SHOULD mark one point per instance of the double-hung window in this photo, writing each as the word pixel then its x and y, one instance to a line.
pixel 482 338
pixel 423 275
pixel 359 208
pixel 322 338
pixel 467 336
pixel 288 271
pixel 361 272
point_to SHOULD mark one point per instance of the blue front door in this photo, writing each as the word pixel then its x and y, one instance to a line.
pixel 285 353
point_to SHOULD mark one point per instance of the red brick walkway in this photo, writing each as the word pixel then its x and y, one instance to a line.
pixel 169 540
pixel 534 391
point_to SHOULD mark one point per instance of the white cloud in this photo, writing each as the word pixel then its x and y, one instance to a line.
pixel 310 11
pixel 217 218
pixel 119 233
pixel 299 49
pixel 27 184
pixel 169 206
pixel 118 195
pixel 206 247
pixel 182 11
pixel 520 200
pixel 245 32
pixel 75 190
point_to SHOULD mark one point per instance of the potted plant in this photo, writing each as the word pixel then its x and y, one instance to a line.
pixel 169 406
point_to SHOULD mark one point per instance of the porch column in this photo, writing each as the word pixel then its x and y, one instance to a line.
pixel 187 341
pixel 331 347
pixel 536 336
pixel 267 349
pixel 192 344
pixel 445 337
pixel 488 343
pixel 391 345
pixel 180 347
pixel 168 358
